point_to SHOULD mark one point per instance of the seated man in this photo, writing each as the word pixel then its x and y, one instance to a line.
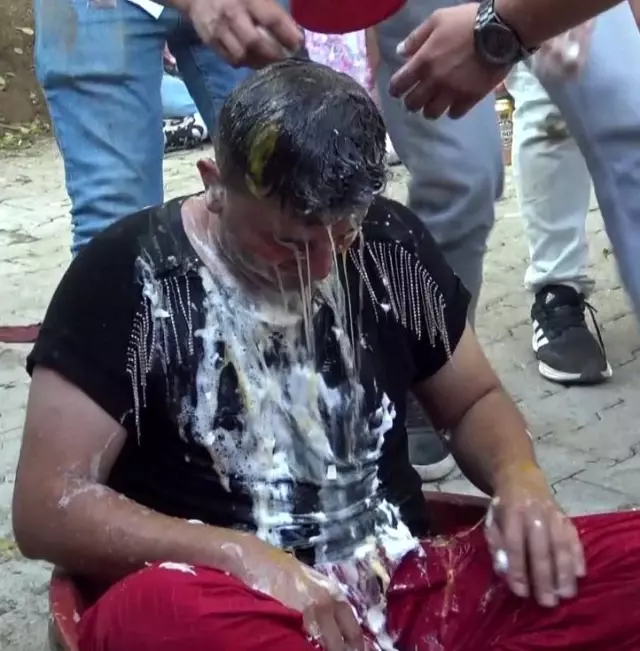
pixel 215 432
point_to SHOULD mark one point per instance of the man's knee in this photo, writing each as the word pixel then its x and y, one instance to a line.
pixel 173 607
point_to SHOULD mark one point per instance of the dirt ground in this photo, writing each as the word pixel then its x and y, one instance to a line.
pixel 22 107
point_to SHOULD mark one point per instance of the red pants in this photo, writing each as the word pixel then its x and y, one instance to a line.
pixel 450 600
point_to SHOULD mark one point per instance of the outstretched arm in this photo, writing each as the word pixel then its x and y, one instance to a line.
pixel 445 72
pixel 536 21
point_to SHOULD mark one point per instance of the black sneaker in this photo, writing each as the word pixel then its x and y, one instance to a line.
pixel 428 451
pixel 567 351
pixel 182 134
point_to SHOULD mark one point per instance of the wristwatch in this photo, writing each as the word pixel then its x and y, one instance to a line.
pixel 496 42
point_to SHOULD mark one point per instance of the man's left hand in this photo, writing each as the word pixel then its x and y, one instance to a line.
pixel 533 543
pixel 443 72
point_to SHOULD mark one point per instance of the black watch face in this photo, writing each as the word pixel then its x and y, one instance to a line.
pixel 499 45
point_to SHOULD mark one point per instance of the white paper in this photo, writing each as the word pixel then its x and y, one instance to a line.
pixel 152 8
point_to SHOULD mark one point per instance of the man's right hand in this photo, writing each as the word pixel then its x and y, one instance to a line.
pixel 245 32
pixel 327 615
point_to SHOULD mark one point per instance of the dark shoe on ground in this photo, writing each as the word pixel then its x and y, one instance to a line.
pixel 428 450
pixel 566 350
pixel 182 134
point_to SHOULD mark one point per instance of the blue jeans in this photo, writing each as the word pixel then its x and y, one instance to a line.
pixel 176 100
pixel 101 71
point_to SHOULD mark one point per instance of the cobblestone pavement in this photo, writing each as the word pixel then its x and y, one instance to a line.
pixel 587 438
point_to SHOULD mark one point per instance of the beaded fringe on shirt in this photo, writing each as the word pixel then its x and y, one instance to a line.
pixel 155 332
pixel 412 296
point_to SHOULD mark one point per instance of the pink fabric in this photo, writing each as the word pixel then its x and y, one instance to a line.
pixel 345 53
pixel 448 599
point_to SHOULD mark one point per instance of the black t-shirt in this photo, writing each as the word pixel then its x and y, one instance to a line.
pixel 136 324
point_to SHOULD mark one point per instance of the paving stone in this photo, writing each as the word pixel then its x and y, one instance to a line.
pixel 622 341
pixel 611 435
pixel 578 497
pixel 9 450
pixel 621 477
pixel 557 462
pixel 12 418
pixel 560 463
pixel 564 412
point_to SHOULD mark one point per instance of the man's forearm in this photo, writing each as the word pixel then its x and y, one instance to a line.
pixel 635 8
pixel 536 21
pixel 96 532
pixel 491 441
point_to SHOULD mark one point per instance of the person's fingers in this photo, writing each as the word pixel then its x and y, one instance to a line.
pixel 411 73
pixel 259 46
pixel 273 17
pixel 541 557
pixel 513 532
pixel 496 545
pixel 414 41
pixel 493 536
pixel 561 533
pixel 349 627
pixel 416 99
pixel 168 57
pixel 437 106
pixel 328 629
pixel 416 69
pixel 231 48
pixel 459 108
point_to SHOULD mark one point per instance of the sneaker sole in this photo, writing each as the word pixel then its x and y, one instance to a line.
pixel 562 377
pixel 436 471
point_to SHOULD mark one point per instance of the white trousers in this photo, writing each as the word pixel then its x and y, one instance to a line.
pixel 553 187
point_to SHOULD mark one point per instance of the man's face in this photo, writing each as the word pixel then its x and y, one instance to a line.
pixel 275 245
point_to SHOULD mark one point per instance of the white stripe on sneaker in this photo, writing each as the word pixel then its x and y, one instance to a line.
pixel 539 338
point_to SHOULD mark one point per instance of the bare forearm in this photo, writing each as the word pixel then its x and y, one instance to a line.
pixel 491 440
pixel 635 8
pixel 536 21
pixel 95 532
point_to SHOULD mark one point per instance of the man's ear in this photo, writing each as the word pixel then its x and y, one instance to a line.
pixel 213 192
pixel 209 172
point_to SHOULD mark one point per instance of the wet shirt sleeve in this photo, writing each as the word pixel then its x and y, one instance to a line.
pixel 86 331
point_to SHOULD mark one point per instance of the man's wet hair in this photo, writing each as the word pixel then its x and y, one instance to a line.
pixel 305 135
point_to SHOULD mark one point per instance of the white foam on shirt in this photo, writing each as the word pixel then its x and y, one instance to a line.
pixel 288 427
